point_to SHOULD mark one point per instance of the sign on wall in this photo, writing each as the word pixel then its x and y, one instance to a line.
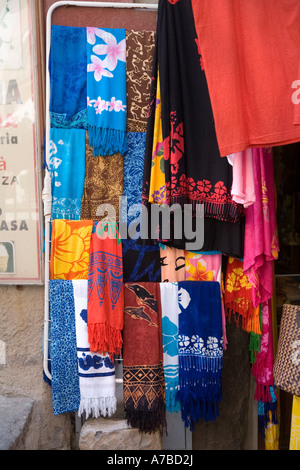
pixel 20 226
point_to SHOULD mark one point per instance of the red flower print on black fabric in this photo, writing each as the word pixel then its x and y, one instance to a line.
pixel 173 1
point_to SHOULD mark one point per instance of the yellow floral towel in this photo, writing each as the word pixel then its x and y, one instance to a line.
pixel 238 297
pixel 295 425
pixel 157 190
pixel 70 246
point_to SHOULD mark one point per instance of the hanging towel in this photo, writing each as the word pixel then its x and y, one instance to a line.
pixel 169 313
pixel 143 377
pixel 139 59
pixel 67 166
pixel 194 172
pixel 67 69
pixel 105 308
pixel 103 186
pixel 157 189
pixel 238 44
pixel 172 264
pixel 64 368
pixel 133 177
pixel 242 190
pixel 261 239
pixel 70 246
pixel 238 294
pixel 262 369
pixel 96 372
pixel 106 90
pixel 200 351
pixel 141 261
pixel 206 267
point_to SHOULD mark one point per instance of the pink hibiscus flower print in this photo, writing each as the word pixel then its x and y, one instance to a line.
pixel 91 34
pixel 99 68
pixel 114 51
pixel 100 105
pixel 116 105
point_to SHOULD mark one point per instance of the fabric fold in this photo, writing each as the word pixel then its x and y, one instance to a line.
pixel 143 377
pixel 200 345
pixel 105 308
pixel 96 372
pixel 106 90
pixel 261 245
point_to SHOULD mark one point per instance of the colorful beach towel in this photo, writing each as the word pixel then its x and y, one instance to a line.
pixel 143 377
pixel 169 313
pixel 70 246
pixel 68 82
pixel 96 372
pixel 103 185
pixel 106 90
pixel 64 368
pixel 139 59
pixel 261 239
pixel 105 308
pixel 67 166
pixel 200 350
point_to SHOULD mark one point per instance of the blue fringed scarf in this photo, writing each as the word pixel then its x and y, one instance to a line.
pixel 67 164
pixel 106 90
pixel 64 367
pixel 67 67
pixel 200 350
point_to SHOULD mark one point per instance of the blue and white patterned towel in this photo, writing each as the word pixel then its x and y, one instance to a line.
pixel 67 167
pixel 96 372
pixel 64 369
pixel 200 343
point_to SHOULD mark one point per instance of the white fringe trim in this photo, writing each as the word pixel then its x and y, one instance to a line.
pixel 96 407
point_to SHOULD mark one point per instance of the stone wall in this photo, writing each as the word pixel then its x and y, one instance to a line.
pixel 21 373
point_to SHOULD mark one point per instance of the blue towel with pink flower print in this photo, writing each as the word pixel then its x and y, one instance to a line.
pixel 106 90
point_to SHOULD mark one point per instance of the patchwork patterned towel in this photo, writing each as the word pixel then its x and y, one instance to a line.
pixel 169 313
pixel 200 350
pixel 106 90
pixel 103 185
pixel 67 166
pixel 105 307
pixel 143 377
pixel 70 247
pixel 67 67
pixel 96 372
pixel 64 368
